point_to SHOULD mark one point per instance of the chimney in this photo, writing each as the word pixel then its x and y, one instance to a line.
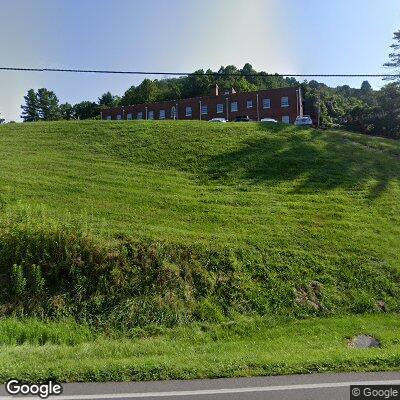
pixel 216 90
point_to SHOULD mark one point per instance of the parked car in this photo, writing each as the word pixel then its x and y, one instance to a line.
pixel 217 120
pixel 268 120
pixel 242 118
pixel 304 120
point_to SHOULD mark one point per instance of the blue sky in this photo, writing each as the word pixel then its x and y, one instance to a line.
pixel 285 36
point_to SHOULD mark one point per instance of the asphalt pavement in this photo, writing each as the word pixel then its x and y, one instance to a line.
pixel 291 387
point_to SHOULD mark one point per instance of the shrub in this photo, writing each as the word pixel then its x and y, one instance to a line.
pixel 58 272
pixel 17 281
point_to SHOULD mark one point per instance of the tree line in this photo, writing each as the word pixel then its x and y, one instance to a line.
pixel 363 109
pixel 43 105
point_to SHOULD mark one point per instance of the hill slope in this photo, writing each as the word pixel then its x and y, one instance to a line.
pixel 317 212
pixel 274 186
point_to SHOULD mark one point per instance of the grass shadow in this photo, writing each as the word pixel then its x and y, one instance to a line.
pixel 316 160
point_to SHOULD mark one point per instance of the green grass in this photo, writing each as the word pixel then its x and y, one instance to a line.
pixel 244 348
pixel 130 228
pixel 276 187
pixel 15 332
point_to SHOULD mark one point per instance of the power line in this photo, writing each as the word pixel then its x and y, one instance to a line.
pixel 93 71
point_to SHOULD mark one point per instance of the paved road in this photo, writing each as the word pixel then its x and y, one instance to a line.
pixel 295 387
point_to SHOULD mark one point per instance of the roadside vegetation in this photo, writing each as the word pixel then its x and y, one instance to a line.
pixel 122 235
pixel 246 347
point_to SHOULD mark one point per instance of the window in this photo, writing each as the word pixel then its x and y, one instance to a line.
pixel 220 108
pixel 285 119
pixel 249 103
pixel 108 117
pixel 285 102
pixel 174 113
pixel 139 115
pixel 204 110
pixel 234 106
pixel 188 111
pixel 150 115
pixel 162 114
pixel 118 117
pixel 129 116
pixel 266 103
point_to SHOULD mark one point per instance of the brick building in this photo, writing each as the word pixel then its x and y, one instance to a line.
pixel 283 104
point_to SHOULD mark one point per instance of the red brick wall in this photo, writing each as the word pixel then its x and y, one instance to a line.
pixel 276 111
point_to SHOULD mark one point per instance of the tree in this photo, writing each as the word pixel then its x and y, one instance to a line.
pixel 382 117
pixel 201 83
pixel 66 111
pixel 86 110
pixel 108 100
pixel 170 89
pixel 394 57
pixel 198 85
pixel 388 117
pixel 366 88
pixel 249 70
pixel 129 97
pixel 30 110
pixel 344 90
pixel 48 105
pixel 147 92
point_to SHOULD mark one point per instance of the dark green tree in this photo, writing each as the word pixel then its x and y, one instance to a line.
pixel 48 105
pixel 30 110
pixel 249 71
pixel 380 116
pixel 108 100
pixel 66 111
pixel 198 85
pixel 86 110
pixel 366 88
pixel 394 57
pixel 147 92
pixel 171 89
pixel 387 119
pixel 201 83
pixel 345 90
pixel 129 97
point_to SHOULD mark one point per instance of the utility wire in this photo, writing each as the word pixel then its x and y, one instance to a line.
pixel 90 71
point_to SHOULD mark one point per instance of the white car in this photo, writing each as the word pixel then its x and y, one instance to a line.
pixel 269 120
pixel 217 120
pixel 304 120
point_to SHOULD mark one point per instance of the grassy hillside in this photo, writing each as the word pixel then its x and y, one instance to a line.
pixel 276 187
pixel 130 228
pixel 303 205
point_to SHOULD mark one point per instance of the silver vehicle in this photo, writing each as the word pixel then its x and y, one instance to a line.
pixel 304 120
pixel 268 120
pixel 217 120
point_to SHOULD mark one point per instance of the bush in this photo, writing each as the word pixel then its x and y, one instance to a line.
pixel 59 272
pixel 17 281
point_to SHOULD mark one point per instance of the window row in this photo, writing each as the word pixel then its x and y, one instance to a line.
pixel 266 103
pixel 150 115
pixel 284 102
